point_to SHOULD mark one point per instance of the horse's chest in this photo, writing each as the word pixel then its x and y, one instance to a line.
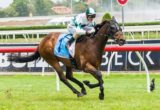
pixel 92 59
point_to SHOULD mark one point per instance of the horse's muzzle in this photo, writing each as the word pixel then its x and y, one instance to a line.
pixel 120 41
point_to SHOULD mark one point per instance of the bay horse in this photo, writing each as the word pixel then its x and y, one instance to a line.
pixel 88 55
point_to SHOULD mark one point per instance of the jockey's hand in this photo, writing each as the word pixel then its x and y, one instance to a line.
pixel 91 31
pixel 80 31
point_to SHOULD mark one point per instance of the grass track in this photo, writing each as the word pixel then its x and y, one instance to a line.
pixel 122 92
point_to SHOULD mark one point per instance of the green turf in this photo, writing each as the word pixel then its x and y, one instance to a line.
pixel 122 92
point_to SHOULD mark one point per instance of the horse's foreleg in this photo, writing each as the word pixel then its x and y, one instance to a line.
pixel 97 74
pixel 69 75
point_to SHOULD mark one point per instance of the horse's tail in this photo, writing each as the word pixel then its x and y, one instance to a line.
pixel 22 59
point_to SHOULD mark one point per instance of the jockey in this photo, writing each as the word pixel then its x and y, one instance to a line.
pixel 82 24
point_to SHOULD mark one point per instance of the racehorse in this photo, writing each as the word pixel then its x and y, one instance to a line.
pixel 88 55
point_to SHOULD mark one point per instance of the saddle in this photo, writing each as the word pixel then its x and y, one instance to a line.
pixel 61 49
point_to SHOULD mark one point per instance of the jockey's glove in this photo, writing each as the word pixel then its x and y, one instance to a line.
pixel 80 31
pixel 91 31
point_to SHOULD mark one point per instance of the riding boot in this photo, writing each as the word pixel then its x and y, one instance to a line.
pixel 70 41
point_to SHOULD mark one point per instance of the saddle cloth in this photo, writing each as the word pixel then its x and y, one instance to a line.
pixel 61 49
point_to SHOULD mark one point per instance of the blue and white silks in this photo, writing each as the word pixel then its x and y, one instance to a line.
pixel 60 49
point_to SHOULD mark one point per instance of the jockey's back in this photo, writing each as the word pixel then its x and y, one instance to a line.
pixel 80 21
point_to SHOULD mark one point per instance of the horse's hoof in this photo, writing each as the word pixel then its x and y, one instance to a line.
pixel 80 95
pixel 101 96
pixel 86 82
pixel 84 92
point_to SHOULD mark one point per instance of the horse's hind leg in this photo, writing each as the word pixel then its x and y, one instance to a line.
pixel 97 74
pixel 69 75
pixel 64 80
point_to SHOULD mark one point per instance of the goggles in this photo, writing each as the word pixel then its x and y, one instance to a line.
pixel 91 16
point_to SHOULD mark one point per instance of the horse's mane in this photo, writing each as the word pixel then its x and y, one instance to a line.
pixel 98 26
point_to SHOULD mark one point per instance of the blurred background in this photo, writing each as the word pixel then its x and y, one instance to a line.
pixel 47 11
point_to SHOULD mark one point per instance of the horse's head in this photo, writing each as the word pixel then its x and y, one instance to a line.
pixel 115 32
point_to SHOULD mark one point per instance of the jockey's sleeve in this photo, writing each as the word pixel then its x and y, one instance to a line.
pixel 79 25
pixel 74 22
pixel 78 22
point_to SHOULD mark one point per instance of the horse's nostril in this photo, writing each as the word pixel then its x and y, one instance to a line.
pixel 120 41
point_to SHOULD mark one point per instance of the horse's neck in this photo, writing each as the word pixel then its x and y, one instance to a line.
pixel 100 38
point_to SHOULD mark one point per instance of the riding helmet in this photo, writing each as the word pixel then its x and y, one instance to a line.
pixel 90 12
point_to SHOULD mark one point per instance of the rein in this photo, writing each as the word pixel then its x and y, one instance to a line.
pixel 104 35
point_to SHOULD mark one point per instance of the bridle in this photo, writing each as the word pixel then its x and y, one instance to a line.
pixel 112 25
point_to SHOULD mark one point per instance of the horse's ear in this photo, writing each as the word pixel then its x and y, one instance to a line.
pixel 114 19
